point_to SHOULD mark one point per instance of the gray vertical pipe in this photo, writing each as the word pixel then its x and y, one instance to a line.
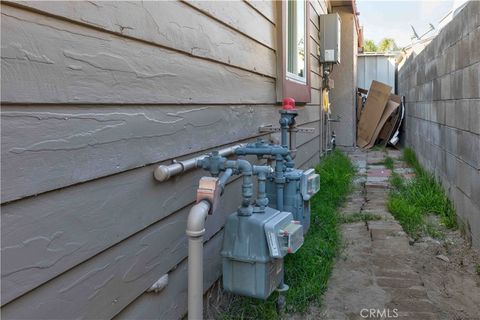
pixel 279 181
pixel 284 132
pixel 245 168
pixel 195 281
pixel 262 201
pixel 280 197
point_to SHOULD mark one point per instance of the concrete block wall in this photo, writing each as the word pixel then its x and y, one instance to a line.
pixel 442 125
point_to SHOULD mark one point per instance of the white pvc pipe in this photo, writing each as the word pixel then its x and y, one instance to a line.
pixel 163 173
pixel 195 231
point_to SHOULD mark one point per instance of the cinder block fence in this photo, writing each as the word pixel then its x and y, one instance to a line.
pixel 442 89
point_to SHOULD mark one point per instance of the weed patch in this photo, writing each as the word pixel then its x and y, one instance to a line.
pixel 412 201
pixel 389 163
pixel 307 271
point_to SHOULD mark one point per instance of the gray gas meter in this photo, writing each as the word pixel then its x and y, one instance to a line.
pixel 253 251
pixel 264 230
pixel 300 186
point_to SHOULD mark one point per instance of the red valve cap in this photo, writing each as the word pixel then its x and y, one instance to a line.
pixel 288 104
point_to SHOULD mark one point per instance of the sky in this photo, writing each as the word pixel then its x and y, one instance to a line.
pixel 392 19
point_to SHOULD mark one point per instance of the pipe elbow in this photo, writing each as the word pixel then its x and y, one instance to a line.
pixel 196 219
pixel 244 166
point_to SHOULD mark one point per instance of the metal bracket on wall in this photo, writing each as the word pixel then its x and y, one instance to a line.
pixel 335 120
pixel 270 128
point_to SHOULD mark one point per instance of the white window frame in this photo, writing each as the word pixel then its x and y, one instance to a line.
pixel 292 76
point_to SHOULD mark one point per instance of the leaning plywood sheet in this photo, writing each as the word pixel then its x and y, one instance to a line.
pixel 395 98
pixel 394 135
pixel 396 124
pixel 359 106
pixel 376 101
pixel 362 91
pixel 384 134
pixel 393 123
pixel 391 108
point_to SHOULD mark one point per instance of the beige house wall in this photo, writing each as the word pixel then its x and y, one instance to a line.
pixel 345 78
pixel 94 96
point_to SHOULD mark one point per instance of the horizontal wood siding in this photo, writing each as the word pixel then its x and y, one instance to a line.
pixel 100 287
pixel 82 65
pixel 81 143
pixel 316 70
pixel 169 24
pixel 94 96
pixel 171 303
pixel 242 17
pixel 265 7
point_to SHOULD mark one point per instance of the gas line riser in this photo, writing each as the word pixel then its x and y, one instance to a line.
pixel 263 230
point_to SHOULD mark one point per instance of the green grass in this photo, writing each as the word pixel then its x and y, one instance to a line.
pixel 359 216
pixel 412 201
pixel 388 163
pixel 396 181
pixel 307 271
pixel 410 158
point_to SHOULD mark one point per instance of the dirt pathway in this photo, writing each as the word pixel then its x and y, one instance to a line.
pixel 382 274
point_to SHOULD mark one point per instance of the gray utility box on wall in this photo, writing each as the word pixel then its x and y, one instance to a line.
pixel 253 250
pixel 299 187
pixel 330 31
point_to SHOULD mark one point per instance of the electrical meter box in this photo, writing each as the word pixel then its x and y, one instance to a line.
pixel 330 41
pixel 253 265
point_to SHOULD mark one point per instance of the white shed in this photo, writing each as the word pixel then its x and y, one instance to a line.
pixel 376 66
